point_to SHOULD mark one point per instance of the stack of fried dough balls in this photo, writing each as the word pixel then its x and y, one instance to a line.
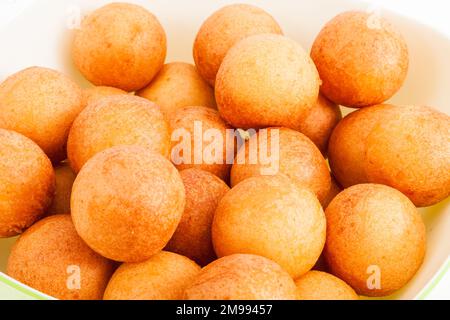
pixel 296 156
pixel 51 257
pixel 168 180
pixel 41 104
pixel 225 28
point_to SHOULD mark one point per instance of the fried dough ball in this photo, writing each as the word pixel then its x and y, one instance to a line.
pixel 375 239
pixel 92 95
pixel 179 85
pixel 117 120
pixel 163 277
pixel 193 235
pixel 27 183
pixel 222 30
pixel 64 180
pixel 411 153
pixel 242 277
pixel 266 80
pixel 320 123
pixel 120 45
pixel 127 202
pixel 404 147
pixel 52 258
pixel 347 146
pixel 190 126
pixel 362 59
pixel 41 104
pixel 273 217
pixel 317 285
pixel 295 156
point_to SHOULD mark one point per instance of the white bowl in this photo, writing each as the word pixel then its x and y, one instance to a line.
pixel 38 33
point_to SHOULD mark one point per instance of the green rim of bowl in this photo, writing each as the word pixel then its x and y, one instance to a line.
pixel 11 289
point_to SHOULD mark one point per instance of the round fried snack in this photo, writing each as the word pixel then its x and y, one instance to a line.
pixel 242 277
pixel 41 104
pixel 127 202
pixel 193 235
pixel 362 59
pixel 411 153
pixel 347 146
pixel 266 80
pixel 201 140
pixel 222 30
pixel 273 217
pixel 117 120
pixel 375 239
pixel 27 183
pixel 52 258
pixel 288 152
pixel 317 285
pixel 320 123
pixel 179 85
pixel 120 45
pixel 92 95
pixel 64 181
pixel 163 277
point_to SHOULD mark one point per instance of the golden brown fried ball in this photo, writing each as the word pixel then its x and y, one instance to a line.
pixel 362 59
pixel 164 276
pixel 375 239
pixel 317 285
pixel 190 126
pixel 92 95
pixel 411 153
pixel 179 85
pixel 320 122
pixel 27 183
pixel 52 258
pixel 193 235
pixel 117 120
pixel 266 80
pixel 222 30
pixel 120 45
pixel 295 156
pixel 242 277
pixel 273 217
pixel 347 146
pixel 64 181
pixel 41 104
pixel 127 202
